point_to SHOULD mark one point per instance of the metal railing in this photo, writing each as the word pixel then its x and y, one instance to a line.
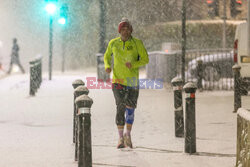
pixel 35 75
pixel 243 138
pixel 215 71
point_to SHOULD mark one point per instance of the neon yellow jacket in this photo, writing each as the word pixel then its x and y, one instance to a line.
pixel 125 52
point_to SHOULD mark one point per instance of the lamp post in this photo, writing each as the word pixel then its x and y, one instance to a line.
pixel 224 24
pixel 63 20
pixel 248 26
pixel 102 26
pixel 51 10
pixel 183 40
pixel 50 46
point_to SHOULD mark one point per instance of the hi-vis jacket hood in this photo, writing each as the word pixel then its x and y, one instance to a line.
pixel 132 51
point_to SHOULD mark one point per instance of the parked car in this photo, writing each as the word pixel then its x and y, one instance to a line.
pixel 241 56
pixel 214 67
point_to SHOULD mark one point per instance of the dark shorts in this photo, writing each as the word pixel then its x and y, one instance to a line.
pixel 124 96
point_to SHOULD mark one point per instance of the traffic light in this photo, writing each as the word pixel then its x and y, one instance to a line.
pixel 51 6
pixel 213 7
pixel 234 7
pixel 63 14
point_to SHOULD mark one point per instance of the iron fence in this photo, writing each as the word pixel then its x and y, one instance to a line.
pixel 215 70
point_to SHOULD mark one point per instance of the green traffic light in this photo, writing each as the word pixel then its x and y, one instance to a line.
pixel 63 14
pixel 50 8
pixel 62 21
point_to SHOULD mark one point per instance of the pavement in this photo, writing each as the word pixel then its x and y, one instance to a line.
pixel 37 131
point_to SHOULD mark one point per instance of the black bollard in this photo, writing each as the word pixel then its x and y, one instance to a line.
pixel 237 87
pixel 35 76
pixel 190 127
pixel 179 123
pixel 80 90
pixel 84 104
pixel 32 89
pixel 199 75
pixel 75 84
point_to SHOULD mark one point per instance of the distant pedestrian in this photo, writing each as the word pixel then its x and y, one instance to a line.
pixel 129 54
pixel 15 57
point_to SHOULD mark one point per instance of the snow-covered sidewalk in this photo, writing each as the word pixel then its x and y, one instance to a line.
pixel 37 131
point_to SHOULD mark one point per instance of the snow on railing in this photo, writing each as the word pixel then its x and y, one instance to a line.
pixel 244 114
pixel 243 138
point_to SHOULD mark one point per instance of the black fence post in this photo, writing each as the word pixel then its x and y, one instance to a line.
pixel 179 122
pixel 190 127
pixel 84 104
pixel 80 90
pixel 199 74
pixel 75 84
pixel 237 87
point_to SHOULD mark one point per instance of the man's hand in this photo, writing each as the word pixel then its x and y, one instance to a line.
pixel 129 65
pixel 108 70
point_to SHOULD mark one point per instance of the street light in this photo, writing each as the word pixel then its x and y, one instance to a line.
pixel 63 19
pixel 51 10
pixel 213 7
pixel 235 6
